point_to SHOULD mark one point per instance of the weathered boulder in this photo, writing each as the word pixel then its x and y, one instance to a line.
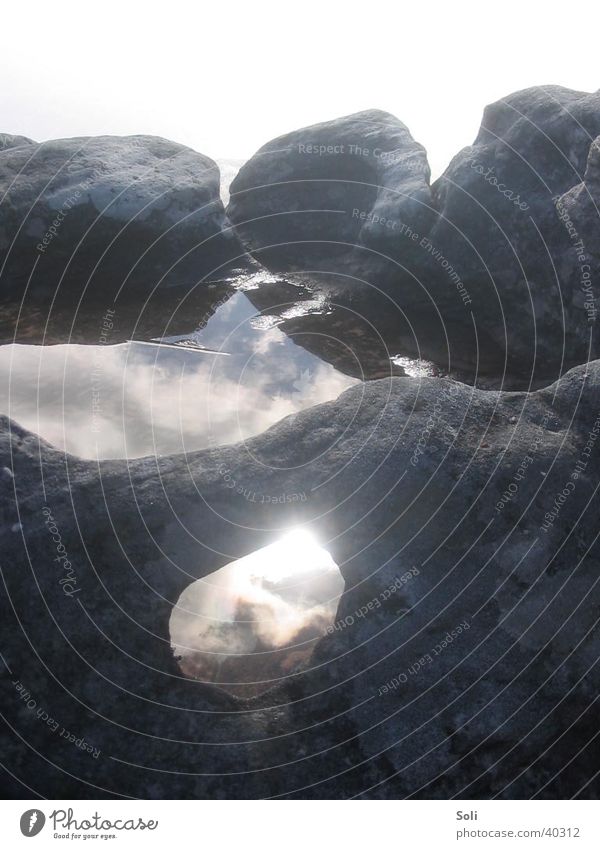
pixel 464 659
pixel 7 141
pixel 579 212
pixel 501 227
pixel 311 199
pixel 485 271
pixel 107 215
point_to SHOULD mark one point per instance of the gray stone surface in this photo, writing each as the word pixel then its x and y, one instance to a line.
pixel 499 202
pixel 7 141
pixel 110 214
pixel 484 271
pixel 306 199
pixel 492 639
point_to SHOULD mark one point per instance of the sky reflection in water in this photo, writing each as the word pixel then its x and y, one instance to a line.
pixel 132 400
pixel 257 620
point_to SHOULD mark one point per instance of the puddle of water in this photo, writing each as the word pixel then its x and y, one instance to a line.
pixel 257 620
pixel 135 399
pixel 216 365
pixel 69 320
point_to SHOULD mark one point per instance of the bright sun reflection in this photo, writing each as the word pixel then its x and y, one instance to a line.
pixel 296 554
pixel 257 618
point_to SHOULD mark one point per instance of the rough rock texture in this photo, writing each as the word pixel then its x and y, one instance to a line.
pixel 7 141
pixel 490 501
pixel 484 271
pixel 579 210
pixel 503 228
pixel 107 215
pixel 306 199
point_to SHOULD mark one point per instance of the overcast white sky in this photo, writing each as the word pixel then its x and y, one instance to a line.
pixel 225 77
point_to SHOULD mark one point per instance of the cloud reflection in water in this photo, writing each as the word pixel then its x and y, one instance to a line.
pixel 257 619
pixel 132 400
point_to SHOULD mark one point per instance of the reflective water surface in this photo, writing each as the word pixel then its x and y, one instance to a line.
pixel 256 620
pixel 135 399
pixel 213 365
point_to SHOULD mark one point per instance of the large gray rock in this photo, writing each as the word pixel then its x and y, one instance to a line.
pixel 483 272
pixel 475 676
pixel 314 198
pixel 110 215
pixel 500 227
pixel 579 212
pixel 7 141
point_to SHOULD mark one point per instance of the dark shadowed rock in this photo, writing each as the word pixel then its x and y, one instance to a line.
pixel 307 199
pixel 500 228
pixel 337 205
pixel 579 212
pixel 476 676
pixel 107 215
pixel 484 272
